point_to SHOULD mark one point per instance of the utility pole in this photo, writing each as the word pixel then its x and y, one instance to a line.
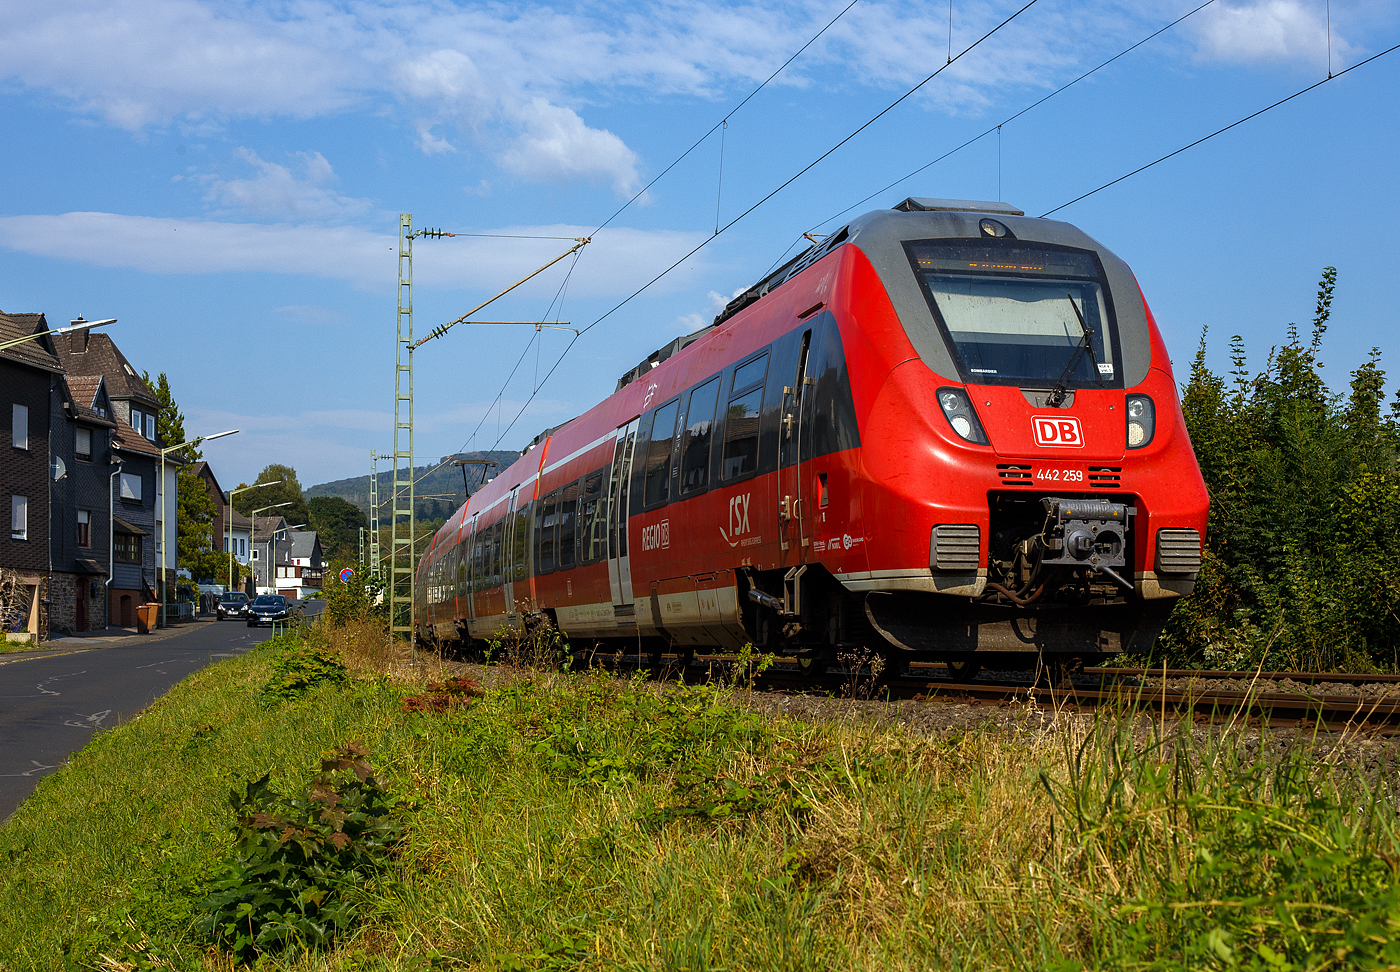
pixel 402 564
pixel 373 513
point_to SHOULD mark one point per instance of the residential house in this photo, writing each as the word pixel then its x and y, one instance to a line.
pixel 29 374
pixel 301 576
pixel 270 544
pixel 240 540
pixel 81 525
pixel 136 492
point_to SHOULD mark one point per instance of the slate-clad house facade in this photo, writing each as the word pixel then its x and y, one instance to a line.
pixel 134 489
pixel 80 526
pixel 29 374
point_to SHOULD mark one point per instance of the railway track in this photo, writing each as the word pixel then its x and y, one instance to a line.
pixel 1268 698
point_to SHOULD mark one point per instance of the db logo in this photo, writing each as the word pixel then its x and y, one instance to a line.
pixel 657 536
pixel 1062 433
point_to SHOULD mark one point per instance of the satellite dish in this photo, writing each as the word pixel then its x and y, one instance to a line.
pixel 57 469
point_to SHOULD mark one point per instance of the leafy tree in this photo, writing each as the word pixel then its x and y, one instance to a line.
pixel 337 521
pixel 170 423
pixel 1301 566
pixel 287 491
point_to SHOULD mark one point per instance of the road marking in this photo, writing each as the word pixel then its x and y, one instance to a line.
pixel 93 721
pixel 56 654
pixel 38 768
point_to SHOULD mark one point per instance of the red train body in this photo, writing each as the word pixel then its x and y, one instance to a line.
pixel 946 431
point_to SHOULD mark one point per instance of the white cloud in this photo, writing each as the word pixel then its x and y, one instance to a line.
pixel 555 145
pixel 430 144
pixel 277 193
pixel 1269 30
pixel 619 261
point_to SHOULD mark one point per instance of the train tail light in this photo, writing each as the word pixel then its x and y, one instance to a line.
pixel 1142 421
pixel 957 408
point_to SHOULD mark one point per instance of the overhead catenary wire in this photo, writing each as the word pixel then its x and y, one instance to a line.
pixel 1221 131
pixel 805 169
pixel 728 115
pixel 1006 121
pixel 722 124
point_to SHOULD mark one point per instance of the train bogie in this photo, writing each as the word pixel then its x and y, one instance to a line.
pixel 947 431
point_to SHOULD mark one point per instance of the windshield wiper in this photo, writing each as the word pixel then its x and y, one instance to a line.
pixel 1086 343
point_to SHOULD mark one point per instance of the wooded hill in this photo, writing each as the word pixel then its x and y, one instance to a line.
pixel 444 484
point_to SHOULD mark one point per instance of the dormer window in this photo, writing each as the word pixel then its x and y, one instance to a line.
pixel 83 446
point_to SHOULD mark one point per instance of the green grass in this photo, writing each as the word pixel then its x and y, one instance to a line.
pixel 586 822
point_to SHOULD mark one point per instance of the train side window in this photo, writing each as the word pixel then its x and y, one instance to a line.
pixel 749 373
pixel 741 419
pixel 478 541
pixel 499 548
pixel 568 525
pixel 699 430
pixel 593 529
pixel 658 466
pixel 520 555
pixel 546 532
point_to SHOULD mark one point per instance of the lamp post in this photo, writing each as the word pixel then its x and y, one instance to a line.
pixel 253 537
pixel 77 325
pixel 229 524
pixel 163 544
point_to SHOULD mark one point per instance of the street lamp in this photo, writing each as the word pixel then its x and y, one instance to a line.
pixel 77 325
pixel 229 524
pixel 253 538
pixel 163 544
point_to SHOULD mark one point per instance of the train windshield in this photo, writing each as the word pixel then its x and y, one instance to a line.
pixel 1017 313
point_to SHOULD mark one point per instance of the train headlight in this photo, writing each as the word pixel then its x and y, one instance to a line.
pixel 957 408
pixel 1142 421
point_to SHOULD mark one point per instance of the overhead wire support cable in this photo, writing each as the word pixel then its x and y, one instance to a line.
pixel 728 115
pixel 442 329
pixel 807 168
pixel 1221 131
pixel 1006 121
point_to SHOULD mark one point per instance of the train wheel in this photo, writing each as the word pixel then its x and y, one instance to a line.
pixel 813 665
pixel 963 671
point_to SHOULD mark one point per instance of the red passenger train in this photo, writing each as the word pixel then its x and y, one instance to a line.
pixel 946 431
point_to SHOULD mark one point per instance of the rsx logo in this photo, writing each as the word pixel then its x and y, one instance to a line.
pixel 738 519
pixel 1057 432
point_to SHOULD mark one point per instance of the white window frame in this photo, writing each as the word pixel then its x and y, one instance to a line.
pixel 19 517
pixel 19 426
pixel 150 427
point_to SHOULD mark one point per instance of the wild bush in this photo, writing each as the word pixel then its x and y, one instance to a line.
pixel 296 856
pixel 300 666
pixel 1302 550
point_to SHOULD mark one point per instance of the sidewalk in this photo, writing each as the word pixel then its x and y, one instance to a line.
pixel 103 638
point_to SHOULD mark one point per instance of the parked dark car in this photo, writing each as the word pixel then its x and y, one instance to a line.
pixel 234 604
pixel 268 608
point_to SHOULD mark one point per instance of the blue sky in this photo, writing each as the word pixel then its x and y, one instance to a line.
pixel 226 178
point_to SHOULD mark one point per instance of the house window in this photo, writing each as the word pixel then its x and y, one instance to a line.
pixel 20 428
pixel 131 486
pixel 126 548
pixel 151 427
pixel 83 447
pixel 255 553
pixel 84 528
pixel 136 420
pixel 19 517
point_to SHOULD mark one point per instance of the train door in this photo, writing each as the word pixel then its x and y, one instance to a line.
pixel 793 514
pixel 619 564
pixel 508 555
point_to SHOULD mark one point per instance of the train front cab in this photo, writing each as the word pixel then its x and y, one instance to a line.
pixel 1030 486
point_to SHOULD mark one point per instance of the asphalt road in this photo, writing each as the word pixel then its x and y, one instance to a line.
pixel 53 700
